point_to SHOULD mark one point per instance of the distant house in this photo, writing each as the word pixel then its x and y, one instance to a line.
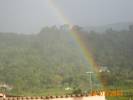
pixel 68 88
pixel 104 69
pixel 5 86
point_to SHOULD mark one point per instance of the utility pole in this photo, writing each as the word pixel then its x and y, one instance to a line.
pixel 90 79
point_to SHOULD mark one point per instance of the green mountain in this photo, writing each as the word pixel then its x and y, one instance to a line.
pixel 49 59
pixel 48 62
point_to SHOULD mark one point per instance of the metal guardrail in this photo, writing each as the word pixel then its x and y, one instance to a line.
pixel 94 93
pixel 42 97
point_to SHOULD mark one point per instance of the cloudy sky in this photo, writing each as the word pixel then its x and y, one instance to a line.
pixel 29 16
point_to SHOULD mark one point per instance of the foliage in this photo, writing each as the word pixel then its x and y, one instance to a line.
pixel 51 59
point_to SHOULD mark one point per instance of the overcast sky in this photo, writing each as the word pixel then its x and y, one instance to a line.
pixel 29 16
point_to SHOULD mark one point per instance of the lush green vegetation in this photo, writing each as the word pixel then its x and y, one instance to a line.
pixel 38 63
pixel 48 62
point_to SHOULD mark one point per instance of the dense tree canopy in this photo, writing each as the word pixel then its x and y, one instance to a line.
pixel 36 63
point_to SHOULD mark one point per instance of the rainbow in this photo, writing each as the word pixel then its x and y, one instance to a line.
pixel 85 49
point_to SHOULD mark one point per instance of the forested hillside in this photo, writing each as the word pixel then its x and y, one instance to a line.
pixel 33 63
pixel 51 59
pixel 114 49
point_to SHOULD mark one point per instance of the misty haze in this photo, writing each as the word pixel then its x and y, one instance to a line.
pixel 66 47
